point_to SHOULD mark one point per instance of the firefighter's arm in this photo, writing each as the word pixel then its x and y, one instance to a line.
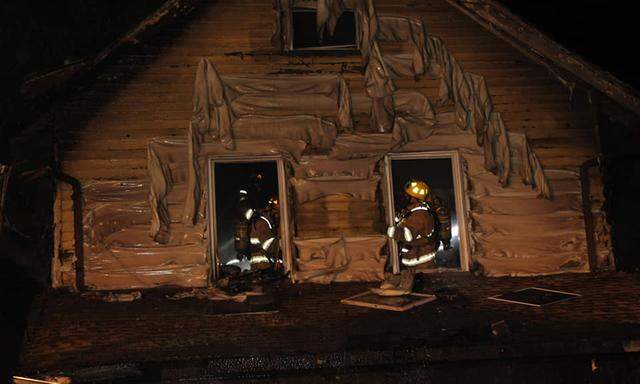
pixel 400 233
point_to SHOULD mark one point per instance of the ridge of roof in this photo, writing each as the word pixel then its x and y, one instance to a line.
pixel 541 48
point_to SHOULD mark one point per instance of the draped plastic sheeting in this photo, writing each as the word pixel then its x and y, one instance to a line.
pixel 330 259
pixel 118 254
pixel 311 189
pixel 220 102
pixel 322 167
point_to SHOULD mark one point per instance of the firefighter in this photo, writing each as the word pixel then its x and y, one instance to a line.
pixel 256 234
pixel 263 235
pixel 421 226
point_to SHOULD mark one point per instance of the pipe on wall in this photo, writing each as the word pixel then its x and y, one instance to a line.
pixel 586 210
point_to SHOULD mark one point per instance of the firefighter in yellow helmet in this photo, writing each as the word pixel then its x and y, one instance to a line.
pixel 421 226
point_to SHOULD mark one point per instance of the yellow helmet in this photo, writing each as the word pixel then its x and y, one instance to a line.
pixel 417 188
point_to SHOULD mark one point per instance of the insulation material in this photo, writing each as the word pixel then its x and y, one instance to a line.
pixel 362 145
pixel 115 190
pixel 530 168
pixel 319 133
pixel 396 29
pixel 122 258
pixel 562 222
pixel 218 101
pixel 327 260
pixel 338 215
pixel 530 244
pixel 377 81
pixel 324 167
pixel 311 189
pixel 523 205
pixel 473 107
pixel 159 276
pixel 517 233
pixel 319 95
pixel 118 254
pixel 556 262
pixel 415 118
pixel 327 15
pixel 368 25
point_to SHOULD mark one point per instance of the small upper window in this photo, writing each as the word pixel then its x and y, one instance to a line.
pixel 306 38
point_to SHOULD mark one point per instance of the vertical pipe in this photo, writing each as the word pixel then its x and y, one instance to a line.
pixel 586 210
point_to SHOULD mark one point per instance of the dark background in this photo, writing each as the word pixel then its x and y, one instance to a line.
pixel 604 32
pixel 37 36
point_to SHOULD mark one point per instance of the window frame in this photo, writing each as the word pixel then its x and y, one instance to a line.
pixel 283 196
pixel 459 194
pixel 341 49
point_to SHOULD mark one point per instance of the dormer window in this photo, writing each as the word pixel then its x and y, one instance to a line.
pixel 308 37
pixel 315 26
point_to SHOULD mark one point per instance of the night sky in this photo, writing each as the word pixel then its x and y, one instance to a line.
pixel 601 31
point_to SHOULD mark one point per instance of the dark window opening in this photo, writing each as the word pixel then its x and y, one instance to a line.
pixel 305 35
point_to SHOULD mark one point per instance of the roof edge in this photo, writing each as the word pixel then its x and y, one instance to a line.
pixel 541 48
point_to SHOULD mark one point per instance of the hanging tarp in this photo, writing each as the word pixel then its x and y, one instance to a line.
pixel 219 103
pixel 320 168
pixel 311 189
pixel 329 259
pixel 118 253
